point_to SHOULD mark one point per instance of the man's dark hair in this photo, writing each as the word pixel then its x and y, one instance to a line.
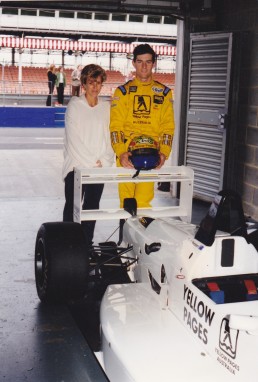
pixel 143 49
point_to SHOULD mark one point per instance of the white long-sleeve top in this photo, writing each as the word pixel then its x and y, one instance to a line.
pixel 87 136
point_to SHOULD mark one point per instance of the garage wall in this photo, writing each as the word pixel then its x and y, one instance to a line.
pixel 237 15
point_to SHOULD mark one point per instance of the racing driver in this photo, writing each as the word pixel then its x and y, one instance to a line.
pixel 141 106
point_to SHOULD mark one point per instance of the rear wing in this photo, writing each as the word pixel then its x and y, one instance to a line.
pixel 178 174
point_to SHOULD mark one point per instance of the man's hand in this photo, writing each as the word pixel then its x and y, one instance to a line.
pixel 124 160
pixel 162 160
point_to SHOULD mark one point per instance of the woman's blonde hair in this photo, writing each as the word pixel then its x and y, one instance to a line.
pixel 51 68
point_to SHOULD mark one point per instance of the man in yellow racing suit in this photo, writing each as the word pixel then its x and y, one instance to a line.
pixel 142 106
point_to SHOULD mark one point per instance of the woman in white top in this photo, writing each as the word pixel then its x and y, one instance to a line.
pixel 86 142
pixel 60 85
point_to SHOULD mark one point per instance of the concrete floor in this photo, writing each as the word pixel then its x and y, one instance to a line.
pixel 38 343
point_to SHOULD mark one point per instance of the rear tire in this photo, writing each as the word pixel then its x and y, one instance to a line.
pixel 61 262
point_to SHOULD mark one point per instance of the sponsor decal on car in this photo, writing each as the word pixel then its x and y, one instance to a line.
pixel 227 350
pixel 195 313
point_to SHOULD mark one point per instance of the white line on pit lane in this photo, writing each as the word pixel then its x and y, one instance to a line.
pixel 43 138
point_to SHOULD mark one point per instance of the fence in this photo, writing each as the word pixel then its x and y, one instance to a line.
pixel 35 92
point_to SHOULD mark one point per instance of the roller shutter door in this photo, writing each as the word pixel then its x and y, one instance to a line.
pixel 209 79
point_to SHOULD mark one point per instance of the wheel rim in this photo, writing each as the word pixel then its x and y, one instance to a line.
pixel 40 264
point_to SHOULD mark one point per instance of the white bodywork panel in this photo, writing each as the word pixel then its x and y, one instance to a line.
pixel 167 325
pixel 180 332
pixel 146 342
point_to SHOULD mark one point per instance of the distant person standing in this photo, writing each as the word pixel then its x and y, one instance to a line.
pixel 51 83
pixel 76 83
pixel 60 85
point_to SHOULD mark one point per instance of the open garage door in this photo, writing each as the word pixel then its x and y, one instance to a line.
pixel 208 94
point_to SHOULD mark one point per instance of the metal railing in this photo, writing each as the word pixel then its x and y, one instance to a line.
pixel 23 92
pixel 17 92
pixel 23 87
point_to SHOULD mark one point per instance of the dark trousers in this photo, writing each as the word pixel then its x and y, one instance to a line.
pixel 76 90
pixel 50 93
pixel 60 93
pixel 91 194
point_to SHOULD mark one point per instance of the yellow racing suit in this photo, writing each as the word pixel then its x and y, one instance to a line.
pixel 141 108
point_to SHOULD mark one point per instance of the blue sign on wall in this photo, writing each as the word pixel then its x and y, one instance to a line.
pixel 31 116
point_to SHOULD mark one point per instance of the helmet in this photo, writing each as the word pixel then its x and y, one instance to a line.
pixel 145 153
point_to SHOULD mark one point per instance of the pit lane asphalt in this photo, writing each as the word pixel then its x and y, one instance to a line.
pixel 39 343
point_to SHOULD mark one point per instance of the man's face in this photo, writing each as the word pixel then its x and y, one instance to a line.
pixel 143 66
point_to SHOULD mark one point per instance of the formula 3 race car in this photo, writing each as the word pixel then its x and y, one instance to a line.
pixel 185 304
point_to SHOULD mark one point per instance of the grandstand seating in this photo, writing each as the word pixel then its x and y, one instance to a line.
pixel 34 80
pixel 165 78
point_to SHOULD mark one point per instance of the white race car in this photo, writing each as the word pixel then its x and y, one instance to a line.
pixel 190 310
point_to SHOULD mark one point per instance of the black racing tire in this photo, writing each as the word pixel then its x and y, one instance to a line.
pixel 61 262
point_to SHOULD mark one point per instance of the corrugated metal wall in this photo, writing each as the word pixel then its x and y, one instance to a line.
pixel 209 79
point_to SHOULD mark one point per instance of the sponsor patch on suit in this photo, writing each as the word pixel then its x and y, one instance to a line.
pixel 158 99
pixel 132 89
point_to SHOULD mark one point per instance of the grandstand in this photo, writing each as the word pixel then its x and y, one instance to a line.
pixel 33 39
pixel 34 82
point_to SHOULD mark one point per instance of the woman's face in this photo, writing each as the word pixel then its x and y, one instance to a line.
pixel 93 86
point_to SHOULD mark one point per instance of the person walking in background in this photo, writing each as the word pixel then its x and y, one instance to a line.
pixel 51 76
pixel 86 143
pixel 141 106
pixel 60 85
pixel 76 83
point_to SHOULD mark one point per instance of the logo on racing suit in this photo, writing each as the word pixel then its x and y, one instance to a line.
pixel 167 139
pixel 158 99
pixel 142 104
pixel 157 90
pixel 114 137
pixel 132 89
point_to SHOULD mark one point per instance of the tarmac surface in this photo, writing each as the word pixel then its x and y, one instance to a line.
pixel 39 343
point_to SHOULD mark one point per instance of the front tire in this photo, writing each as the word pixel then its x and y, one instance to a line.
pixel 61 262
